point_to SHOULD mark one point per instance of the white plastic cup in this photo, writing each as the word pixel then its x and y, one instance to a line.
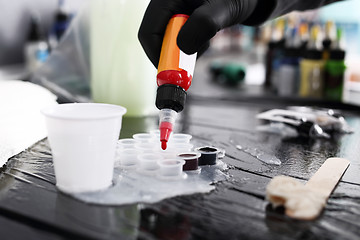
pixel 155 133
pixel 149 161
pixel 168 153
pixel 146 147
pixel 83 138
pixel 143 137
pixel 181 147
pixel 127 143
pixel 128 157
pixel 180 138
pixel 171 167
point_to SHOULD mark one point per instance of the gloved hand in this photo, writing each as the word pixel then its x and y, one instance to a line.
pixel 207 17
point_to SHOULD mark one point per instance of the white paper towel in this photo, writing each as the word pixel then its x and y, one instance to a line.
pixel 21 123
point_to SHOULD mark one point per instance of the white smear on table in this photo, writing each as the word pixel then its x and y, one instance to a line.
pixel 21 123
pixel 133 187
pixel 260 155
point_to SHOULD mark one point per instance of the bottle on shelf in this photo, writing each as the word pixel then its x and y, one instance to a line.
pixel 334 70
pixel 312 67
pixel 289 70
pixel 36 49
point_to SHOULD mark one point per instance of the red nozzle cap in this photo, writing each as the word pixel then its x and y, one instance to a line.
pixel 165 130
pixel 163 145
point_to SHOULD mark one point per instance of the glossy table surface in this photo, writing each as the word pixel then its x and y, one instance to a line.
pixel 31 207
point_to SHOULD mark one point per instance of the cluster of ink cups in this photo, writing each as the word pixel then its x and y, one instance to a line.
pixel 144 154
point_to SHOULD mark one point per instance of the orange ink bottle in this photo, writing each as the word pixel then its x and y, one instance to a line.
pixel 175 73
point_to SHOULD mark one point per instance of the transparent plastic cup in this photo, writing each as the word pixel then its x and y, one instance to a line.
pixel 146 147
pixel 181 147
pixel 149 161
pixel 127 143
pixel 171 168
pixel 168 153
pixel 83 138
pixel 128 157
pixel 155 133
pixel 180 138
pixel 143 137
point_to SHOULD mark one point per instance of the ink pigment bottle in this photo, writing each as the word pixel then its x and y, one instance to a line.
pixel 289 69
pixel 312 68
pixel 36 49
pixel 175 72
pixel 277 54
pixel 334 71
pixel 330 32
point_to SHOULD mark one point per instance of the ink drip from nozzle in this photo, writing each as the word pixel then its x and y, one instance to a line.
pixel 174 78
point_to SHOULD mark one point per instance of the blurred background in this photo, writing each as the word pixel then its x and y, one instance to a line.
pixel 20 18
pixel 310 55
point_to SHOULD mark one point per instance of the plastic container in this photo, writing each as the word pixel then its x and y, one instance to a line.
pixel 312 68
pixel 169 153
pixel 146 147
pixel 334 75
pixel 143 137
pixel 181 147
pixel 312 75
pixel 171 168
pixel 175 72
pixel 127 143
pixel 191 160
pixel 83 138
pixel 155 133
pixel 180 138
pixel 175 67
pixel 288 81
pixel 148 162
pixel 36 49
pixel 121 73
pixel 288 77
pixel 269 58
pixel 128 158
pixel 209 155
pixel 278 54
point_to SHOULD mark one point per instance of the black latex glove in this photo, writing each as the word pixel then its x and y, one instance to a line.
pixel 207 17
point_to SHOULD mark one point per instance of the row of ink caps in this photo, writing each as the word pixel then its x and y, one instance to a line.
pixel 143 154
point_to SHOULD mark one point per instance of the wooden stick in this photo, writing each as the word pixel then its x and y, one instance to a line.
pixel 306 202
pixel 326 178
